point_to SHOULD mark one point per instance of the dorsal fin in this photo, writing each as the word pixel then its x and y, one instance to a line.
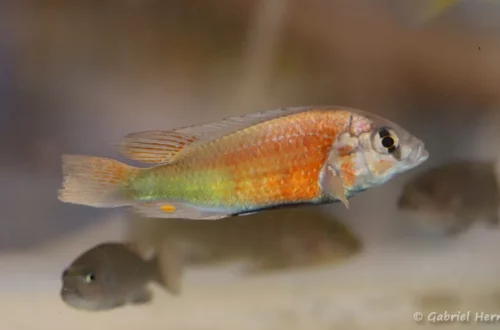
pixel 155 147
pixel 231 124
pixel 161 147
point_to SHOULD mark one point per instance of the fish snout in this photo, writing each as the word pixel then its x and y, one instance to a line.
pixel 418 155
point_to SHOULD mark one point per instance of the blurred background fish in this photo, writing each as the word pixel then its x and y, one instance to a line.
pixel 450 197
pixel 274 240
pixel 111 275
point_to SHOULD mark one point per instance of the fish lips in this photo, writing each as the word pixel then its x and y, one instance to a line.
pixel 70 295
pixel 417 156
pixel 65 291
pixel 73 298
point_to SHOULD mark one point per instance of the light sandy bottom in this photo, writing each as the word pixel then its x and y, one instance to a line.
pixel 380 289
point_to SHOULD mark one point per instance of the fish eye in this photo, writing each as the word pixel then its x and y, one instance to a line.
pixel 386 140
pixel 89 278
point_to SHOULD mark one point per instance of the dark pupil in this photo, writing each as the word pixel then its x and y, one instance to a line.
pixel 387 142
pixel 91 277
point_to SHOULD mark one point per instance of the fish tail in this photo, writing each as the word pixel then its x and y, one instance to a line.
pixel 167 268
pixel 95 181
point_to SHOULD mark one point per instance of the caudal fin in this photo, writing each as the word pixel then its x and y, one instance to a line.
pixel 167 268
pixel 95 181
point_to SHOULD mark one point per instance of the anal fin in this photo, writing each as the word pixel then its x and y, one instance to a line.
pixel 177 210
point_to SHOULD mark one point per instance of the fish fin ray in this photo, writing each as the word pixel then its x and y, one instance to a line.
pixel 235 123
pixel 155 147
pixel 176 210
pixel 94 181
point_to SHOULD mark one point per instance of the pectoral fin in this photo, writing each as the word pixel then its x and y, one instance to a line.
pixel 333 185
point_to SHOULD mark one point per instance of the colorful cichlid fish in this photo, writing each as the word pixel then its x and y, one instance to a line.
pixel 241 165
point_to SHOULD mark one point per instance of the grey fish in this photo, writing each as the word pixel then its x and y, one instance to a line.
pixel 110 275
pixel 269 241
pixel 453 196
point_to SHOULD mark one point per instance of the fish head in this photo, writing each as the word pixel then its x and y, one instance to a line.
pixel 379 150
pixel 86 288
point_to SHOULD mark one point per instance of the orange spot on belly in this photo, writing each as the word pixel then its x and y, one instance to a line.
pixel 167 208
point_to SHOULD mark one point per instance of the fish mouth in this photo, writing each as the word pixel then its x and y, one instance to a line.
pixel 71 298
pixel 76 301
pixel 418 156
pixel 424 155
pixel 69 294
